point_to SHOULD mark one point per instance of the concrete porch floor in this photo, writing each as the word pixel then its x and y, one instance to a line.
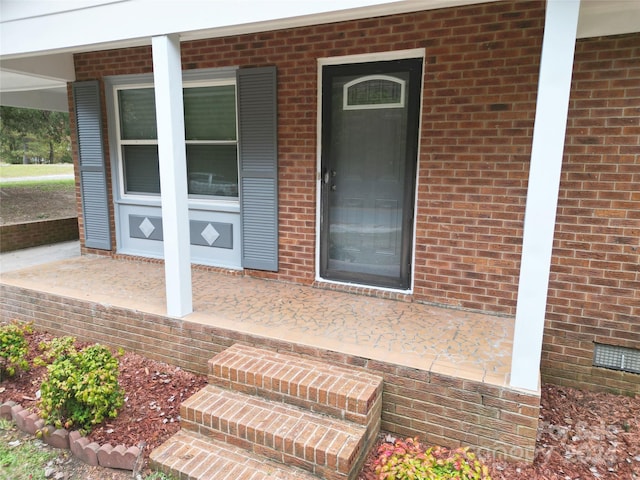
pixel 461 344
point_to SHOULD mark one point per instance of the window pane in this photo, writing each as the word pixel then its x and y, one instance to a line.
pixel 210 113
pixel 141 169
pixel 212 170
pixel 137 114
pixel 374 92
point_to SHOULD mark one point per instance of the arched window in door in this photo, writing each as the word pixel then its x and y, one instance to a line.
pixel 374 91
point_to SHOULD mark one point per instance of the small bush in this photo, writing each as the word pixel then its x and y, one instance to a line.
pixel 54 349
pixel 408 460
pixel 13 348
pixel 81 388
pixel 158 476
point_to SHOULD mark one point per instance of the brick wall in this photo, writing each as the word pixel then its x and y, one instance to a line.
pixel 480 85
pixel 594 294
pixel 31 234
pixel 479 101
pixel 440 409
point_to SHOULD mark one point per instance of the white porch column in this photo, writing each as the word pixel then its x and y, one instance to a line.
pixel 554 86
pixel 167 74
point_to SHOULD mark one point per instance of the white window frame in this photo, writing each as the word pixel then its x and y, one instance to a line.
pixel 218 83
pixel 120 143
pixel 146 81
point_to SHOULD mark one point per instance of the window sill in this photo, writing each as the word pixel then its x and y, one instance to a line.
pixel 231 206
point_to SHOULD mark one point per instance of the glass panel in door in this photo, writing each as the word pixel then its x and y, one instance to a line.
pixel 368 171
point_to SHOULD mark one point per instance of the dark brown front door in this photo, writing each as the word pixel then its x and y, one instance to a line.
pixel 369 153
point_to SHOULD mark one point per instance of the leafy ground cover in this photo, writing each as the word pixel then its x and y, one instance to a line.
pixel 582 435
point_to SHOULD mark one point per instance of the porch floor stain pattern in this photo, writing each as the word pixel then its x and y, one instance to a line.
pixel 463 344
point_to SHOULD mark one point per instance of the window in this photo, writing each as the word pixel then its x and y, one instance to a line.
pixel 210 134
pixel 210 131
pixel 374 91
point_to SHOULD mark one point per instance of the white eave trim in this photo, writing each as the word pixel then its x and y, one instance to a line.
pixel 70 27
pixel 198 21
pixel 372 11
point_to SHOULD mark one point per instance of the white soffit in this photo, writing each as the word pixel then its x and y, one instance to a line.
pixel 54 99
pixel 600 18
pixel 37 82
pixel 53 67
pixel 98 25
pixel 35 67
pixel 85 25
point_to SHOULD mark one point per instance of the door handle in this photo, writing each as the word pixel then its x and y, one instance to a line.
pixel 326 178
pixel 327 175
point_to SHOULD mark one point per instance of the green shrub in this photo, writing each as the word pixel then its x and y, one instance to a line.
pixel 13 348
pixel 54 349
pixel 81 388
pixel 408 460
pixel 158 476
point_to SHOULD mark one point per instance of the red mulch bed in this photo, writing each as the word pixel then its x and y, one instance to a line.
pixel 582 435
pixel 153 392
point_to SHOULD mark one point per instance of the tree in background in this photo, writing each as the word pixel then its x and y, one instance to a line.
pixel 34 136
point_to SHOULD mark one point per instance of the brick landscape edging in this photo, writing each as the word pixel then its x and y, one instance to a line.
pixel 91 453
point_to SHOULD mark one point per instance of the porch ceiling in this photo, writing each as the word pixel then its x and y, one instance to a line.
pixel 37 81
pixel 457 343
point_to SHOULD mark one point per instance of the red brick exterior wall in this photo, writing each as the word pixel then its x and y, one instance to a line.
pixel 594 294
pixel 480 86
pixel 31 234
pixel 479 105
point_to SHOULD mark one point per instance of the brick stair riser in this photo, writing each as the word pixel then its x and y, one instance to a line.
pixel 343 393
pixel 323 465
pixel 280 433
pixel 335 405
pixel 190 457
pixel 296 412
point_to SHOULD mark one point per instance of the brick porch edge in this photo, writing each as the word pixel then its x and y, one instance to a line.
pixel 440 409
pixel 17 236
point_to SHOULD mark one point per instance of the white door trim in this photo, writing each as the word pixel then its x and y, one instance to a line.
pixel 345 60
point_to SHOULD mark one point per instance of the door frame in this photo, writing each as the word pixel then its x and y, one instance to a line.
pixel 417 53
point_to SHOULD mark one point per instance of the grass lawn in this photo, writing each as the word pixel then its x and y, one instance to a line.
pixel 20 458
pixel 15 171
pixel 41 185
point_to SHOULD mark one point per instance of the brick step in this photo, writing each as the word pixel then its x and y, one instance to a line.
pixel 328 447
pixel 188 455
pixel 349 394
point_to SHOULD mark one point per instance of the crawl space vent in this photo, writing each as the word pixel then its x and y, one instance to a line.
pixel 616 358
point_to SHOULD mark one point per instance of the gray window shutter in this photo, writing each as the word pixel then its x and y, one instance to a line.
pixel 93 181
pixel 258 152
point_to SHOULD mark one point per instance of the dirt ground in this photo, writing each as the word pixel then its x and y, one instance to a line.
pixel 582 435
pixel 41 202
